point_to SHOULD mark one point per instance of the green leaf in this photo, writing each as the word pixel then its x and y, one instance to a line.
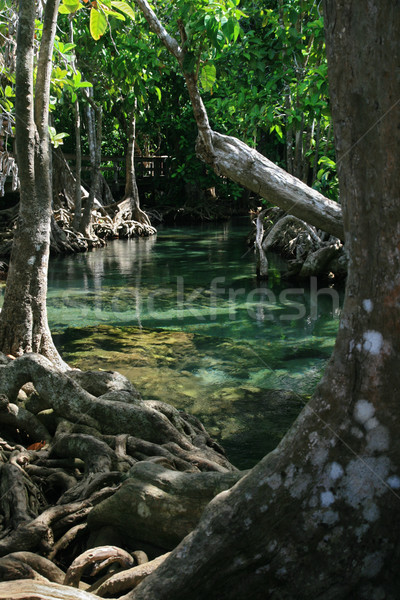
pixel 9 92
pixel 69 6
pixel 279 131
pixel 112 13
pixel 208 75
pixel 125 8
pixel 158 92
pixel 98 24
pixel 236 32
pixel 68 47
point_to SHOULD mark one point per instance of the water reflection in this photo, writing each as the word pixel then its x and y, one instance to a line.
pixel 228 342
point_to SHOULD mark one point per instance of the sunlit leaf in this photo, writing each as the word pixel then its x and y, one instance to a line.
pixel 208 75
pixel 158 92
pixel 63 10
pixel 68 47
pixel 98 23
pixel 113 13
pixel 69 6
pixel 124 7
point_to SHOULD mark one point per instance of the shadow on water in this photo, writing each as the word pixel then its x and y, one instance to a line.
pixel 185 319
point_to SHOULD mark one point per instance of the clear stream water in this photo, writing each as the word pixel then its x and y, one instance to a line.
pixel 183 316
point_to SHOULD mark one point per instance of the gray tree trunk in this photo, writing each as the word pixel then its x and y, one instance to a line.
pixel 78 147
pixel 23 319
pixel 318 517
pixel 131 188
pixel 78 168
pixel 95 135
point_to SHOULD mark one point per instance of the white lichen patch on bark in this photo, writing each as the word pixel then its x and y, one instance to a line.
pixel 373 342
pixel 371 512
pixel 336 471
pixel 319 457
pixel 394 482
pixel 356 431
pixel 371 424
pixel 299 485
pixel 377 435
pixel 274 481
pixel 378 439
pixel 327 498
pixel 296 481
pixel 363 411
pixel 327 517
pixel 368 305
pixel 364 479
pixel 372 564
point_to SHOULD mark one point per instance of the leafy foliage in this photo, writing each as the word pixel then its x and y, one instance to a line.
pixel 261 67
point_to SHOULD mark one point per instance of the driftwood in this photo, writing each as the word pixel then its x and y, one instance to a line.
pixel 107 467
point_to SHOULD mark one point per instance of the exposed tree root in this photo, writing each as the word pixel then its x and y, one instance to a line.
pixel 82 459
pixel 309 251
pixel 26 589
pixel 109 219
pixel 104 555
pixel 129 579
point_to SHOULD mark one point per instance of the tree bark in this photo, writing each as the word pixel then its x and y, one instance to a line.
pixel 23 320
pixel 318 517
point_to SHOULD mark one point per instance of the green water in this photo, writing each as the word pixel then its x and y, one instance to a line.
pixel 183 316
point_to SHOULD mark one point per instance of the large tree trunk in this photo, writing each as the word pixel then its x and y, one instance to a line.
pixel 234 159
pixel 23 322
pixel 319 516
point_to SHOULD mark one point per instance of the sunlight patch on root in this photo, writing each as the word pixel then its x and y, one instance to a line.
pixel 26 589
pixel 103 554
pixel 129 579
